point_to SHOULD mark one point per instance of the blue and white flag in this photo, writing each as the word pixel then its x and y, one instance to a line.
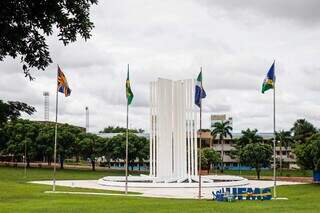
pixel 199 91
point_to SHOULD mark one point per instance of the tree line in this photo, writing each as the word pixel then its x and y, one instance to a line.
pixel 252 150
pixel 118 129
pixel 35 140
pixel 73 142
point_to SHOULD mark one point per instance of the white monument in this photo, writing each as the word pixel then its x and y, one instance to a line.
pixel 173 130
pixel 173 142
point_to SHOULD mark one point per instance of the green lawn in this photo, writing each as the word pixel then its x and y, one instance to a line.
pixel 18 196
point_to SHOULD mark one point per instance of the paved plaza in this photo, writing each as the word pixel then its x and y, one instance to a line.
pixel 189 193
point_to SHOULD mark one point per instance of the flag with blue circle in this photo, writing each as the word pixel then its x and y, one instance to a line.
pixel 270 79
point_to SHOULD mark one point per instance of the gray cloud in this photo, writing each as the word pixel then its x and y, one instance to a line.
pixel 234 41
pixel 303 12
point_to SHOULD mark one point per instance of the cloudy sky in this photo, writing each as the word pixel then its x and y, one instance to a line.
pixel 234 41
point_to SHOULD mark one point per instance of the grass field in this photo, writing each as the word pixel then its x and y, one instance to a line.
pixel 18 196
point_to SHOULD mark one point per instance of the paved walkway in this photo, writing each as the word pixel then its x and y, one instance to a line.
pixel 190 193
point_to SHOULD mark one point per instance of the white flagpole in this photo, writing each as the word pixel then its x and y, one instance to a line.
pixel 274 140
pixel 55 143
pixel 126 184
pixel 199 162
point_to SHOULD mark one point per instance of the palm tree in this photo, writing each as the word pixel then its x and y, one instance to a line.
pixel 223 129
pixel 249 137
pixel 302 129
pixel 285 140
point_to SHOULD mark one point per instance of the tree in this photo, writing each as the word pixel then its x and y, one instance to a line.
pixel 107 150
pixel 90 146
pixel 3 140
pixel 209 157
pixel 22 135
pixel 285 140
pixel 138 148
pixel 66 142
pixel 12 110
pixel 118 129
pixel 45 142
pixel 257 156
pixel 308 154
pixel 73 148
pixel 26 24
pixel 142 146
pixel 248 136
pixel 223 129
pixel 66 139
pixel 302 130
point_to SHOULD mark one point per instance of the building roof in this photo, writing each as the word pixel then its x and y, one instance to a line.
pixel 110 135
pixel 264 135
pixel 235 135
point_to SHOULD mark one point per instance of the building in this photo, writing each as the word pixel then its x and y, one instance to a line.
pixel 207 140
pixel 214 118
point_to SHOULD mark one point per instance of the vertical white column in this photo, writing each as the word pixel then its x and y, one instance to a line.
pixel 195 134
pixel 151 132
pixel 154 127
pixel 180 139
pixel 157 127
pixel 186 126
pixel 174 129
pixel 177 127
pixel 164 123
pixel 161 124
pixel 169 128
pixel 189 129
pixel 183 132
pixel 185 88
pixel 192 153
pixel 173 134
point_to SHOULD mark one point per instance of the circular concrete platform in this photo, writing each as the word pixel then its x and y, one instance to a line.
pixel 144 181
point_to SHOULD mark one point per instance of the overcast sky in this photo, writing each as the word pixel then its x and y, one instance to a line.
pixel 234 41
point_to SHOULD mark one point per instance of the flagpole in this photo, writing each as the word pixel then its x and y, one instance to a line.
pixel 274 141
pixel 127 131
pixel 55 144
pixel 199 161
pixel 25 159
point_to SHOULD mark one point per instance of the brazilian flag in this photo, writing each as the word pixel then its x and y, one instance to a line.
pixel 128 90
pixel 270 79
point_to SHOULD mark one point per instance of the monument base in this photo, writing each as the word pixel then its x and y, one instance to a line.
pixel 144 181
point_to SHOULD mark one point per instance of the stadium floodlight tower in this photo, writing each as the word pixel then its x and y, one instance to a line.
pixel 46 105
pixel 87 119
